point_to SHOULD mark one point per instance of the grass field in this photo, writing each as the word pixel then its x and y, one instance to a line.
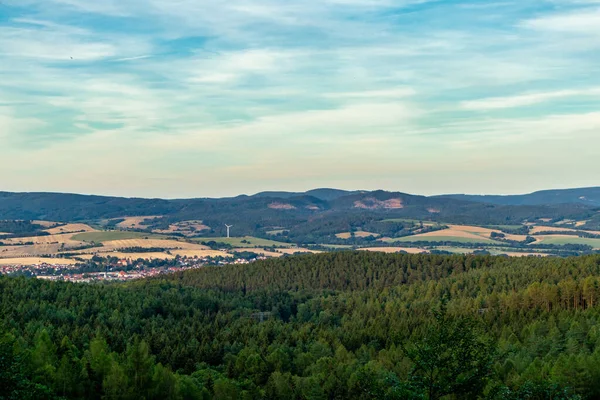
pixel 250 241
pixel 441 238
pixel 106 236
pixel 566 239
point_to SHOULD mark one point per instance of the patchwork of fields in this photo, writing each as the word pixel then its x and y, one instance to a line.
pixel 84 241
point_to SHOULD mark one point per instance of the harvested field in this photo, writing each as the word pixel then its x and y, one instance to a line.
pixel 29 250
pixel 200 253
pixel 246 241
pixel 159 255
pixel 70 228
pixel 187 228
pixel 135 222
pixel 409 250
pixel 147 243
pixel 261 252
pixel 462 233
pixel 360 234
pixel 104 236
pixel 440 238
pixel 36 261
pixel 296 250
pixel 65 238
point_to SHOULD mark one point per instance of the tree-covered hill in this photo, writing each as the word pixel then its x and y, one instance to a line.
pixel 329 326
pixel 253 215
pixel 586 196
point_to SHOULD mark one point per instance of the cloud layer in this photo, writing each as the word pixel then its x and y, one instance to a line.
pixel 208 98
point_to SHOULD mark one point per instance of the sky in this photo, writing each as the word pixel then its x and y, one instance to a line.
pixel 209 98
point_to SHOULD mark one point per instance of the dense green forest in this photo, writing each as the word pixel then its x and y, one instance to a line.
pixel 330 326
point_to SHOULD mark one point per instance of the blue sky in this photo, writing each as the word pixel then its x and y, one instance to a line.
pixel 186 98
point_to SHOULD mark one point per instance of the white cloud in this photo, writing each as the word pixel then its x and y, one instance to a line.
pixel 584 21
pixel 496 103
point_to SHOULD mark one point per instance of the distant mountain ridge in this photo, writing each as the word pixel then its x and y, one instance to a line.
pixel 588 196
pixel 326 194
pixel 251 214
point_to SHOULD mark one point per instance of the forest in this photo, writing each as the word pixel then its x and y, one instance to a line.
pixel 344 325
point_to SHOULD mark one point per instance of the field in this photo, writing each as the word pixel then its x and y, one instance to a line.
pixel 456 239
pixel 459 234
pixel 70 228
pixel 246 241
pixel 135 222
pixel 360 234
pixel 409 250
pixel 187 228
pixel 162 256
pixel 36 261
pixel 542 229
pixel 105 236
pixel 567 239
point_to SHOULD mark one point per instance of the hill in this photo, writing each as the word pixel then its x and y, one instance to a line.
pixel 345 325
pixel 586 196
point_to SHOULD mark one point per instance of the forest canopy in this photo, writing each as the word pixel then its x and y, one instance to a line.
pixel 330 326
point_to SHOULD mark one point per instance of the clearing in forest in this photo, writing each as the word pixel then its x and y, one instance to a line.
pixel 359 234
pixel 409 250
pixel 135 222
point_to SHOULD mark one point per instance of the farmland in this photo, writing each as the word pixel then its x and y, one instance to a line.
pixel 246 241
pixel 567 239
pixel 104 236
pixel 360 234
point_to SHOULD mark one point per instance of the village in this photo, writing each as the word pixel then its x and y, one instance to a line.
pixel 124 269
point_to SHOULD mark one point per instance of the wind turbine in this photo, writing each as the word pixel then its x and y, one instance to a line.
pixel 228 226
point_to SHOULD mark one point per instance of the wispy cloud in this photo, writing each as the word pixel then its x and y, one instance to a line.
pixel 523 100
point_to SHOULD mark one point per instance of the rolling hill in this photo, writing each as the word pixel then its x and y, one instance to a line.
pixel 586 196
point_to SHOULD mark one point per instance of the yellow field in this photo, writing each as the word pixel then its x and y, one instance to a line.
pixel 469 232
pixel 187 228
pixel 261 252
pixel 70 228
pixel 542 229
pixel 360 234
pixel 409 250
pixel 36 261
pixel 50 239
pixel 200 253
pixel 30 250
pixel 157 255
pixel 296 250
pixel 135 222
pixel 146 244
